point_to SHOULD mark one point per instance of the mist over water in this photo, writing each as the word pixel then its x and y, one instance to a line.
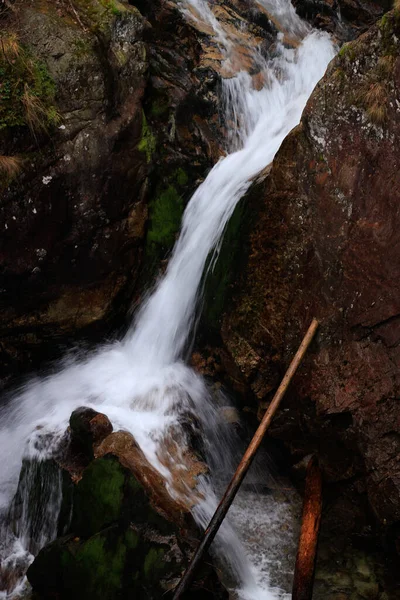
pixel 142 382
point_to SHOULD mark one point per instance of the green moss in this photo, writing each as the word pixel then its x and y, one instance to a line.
pixel 181 177
pixel 131 539
pixel 105 568
pixel 91 569
pixel 99 496
pixel 385 23
pixel 27 91
pixel 111 564
pixel 98 15
pixel 347 52
pixel 220 273
pixel 116 8
pixel 166 211
pixel 153 562
pixel 389 26
pixel 165 217
pixel 159 107
pixel 81 48
pixel 147 142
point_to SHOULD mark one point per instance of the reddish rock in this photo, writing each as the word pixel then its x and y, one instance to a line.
pixel 325 243
pixel 172 498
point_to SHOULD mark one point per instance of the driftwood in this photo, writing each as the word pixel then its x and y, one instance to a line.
pixel 306 552
pixel 244 465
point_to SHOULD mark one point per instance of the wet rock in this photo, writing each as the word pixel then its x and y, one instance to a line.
pixel 323 242
pixel 131 531
pixel 138 562
pixel 346 19
pixel 173 497
pixel 88 428
pixel 39 510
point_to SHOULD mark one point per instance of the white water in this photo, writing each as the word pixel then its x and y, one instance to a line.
pixel 141 382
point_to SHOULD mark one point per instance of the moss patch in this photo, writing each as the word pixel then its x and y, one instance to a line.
pixel 98 14
pixel 112 564
pixel 166 211
pixel 26 89
pixel 165 215
pixel 153 559
pixel 389 28
pixel 99 496
pixel 347 52
pixel 147 142
pixel 159 107
pixel 181 177
pixel 220 274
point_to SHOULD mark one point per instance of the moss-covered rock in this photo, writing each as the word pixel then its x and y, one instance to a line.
pixel 76 194
pixel 221 270
pixel 128 535
pixel 99 497
pixel 147 142
pixel 165 216
pixel 109 565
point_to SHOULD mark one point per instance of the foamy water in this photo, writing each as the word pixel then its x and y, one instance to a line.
pixel 141 382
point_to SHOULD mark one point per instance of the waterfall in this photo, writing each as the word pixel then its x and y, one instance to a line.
pixel 142 382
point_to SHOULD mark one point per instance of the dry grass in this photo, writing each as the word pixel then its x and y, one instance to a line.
pixel 376 94
pixel 373 97
pixel 35 111
pixel 385 65
pixel 396 5
pixel 10 166
pixel 10 47
pixel 377 113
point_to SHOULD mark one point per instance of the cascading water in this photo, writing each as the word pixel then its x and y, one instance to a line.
pixel 141 382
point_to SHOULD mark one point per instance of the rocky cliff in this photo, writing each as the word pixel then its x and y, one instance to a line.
pixel 106 124
pixel 322 241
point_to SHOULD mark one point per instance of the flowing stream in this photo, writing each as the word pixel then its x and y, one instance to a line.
pixel 142 382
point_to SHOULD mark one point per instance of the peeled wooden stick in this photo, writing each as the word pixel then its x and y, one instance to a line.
pixel 244 465
pixel 306 553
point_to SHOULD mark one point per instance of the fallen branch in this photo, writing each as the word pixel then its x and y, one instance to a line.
pixel 244 465
pixel 306 553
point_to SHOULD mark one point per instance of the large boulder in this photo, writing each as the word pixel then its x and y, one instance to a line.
pixel 130 530
pixel 324 242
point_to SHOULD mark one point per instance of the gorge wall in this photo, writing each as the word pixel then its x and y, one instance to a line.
pixel 322 240
pixel 106 125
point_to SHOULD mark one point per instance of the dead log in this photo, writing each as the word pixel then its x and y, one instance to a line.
pixel 306 553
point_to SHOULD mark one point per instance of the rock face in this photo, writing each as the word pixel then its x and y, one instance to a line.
pixel 346 19
pixel 324 242
pixel 127 535
pixel 109 118
pixel 73 216
pixel 90 179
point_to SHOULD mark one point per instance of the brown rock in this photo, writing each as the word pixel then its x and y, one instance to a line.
pixel 172 498
pixel 325 243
